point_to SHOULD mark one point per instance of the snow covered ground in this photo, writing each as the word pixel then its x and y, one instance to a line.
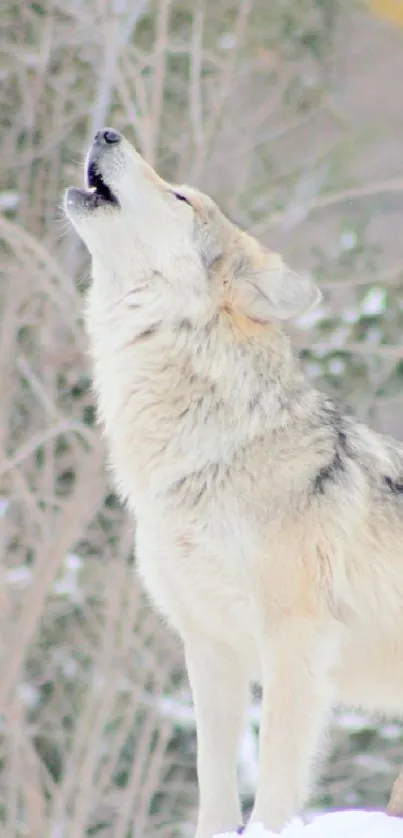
pixel 348 824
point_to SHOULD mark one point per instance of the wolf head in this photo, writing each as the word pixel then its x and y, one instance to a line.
pixel 137 228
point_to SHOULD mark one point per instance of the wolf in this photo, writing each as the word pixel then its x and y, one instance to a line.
pixel 269 526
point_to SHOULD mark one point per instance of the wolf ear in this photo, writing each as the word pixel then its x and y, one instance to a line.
pixel 273 292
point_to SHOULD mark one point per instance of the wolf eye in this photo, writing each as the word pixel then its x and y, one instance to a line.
pixel 181 197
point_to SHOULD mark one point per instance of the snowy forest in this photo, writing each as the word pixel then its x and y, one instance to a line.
pixel 289 114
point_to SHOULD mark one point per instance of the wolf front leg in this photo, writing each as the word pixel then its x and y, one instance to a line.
pixel 220 689
pixel 297 697
pixel 395 805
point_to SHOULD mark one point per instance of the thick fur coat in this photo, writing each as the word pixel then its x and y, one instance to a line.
pixel 269 527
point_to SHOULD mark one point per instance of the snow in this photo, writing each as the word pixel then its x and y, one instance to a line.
pixel 9 199
pixel 350 315
pixel 68 583
pixel 312 317
pixel 248 761
pixel 336 366
pixel 348 824
pixel 349 239
pixel 21 575
pixel 374 302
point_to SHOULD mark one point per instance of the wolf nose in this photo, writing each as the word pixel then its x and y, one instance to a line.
pixel 108 136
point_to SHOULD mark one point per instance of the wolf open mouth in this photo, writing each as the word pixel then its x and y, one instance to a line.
pixel 100 190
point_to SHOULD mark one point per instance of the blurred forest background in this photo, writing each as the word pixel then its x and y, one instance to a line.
pixel 290 114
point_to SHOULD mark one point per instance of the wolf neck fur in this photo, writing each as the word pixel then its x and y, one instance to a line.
pixel 178 374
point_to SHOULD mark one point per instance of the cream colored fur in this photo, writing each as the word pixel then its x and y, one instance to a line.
pixel 269 527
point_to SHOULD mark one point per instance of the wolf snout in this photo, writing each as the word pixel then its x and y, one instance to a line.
pixel 107 136
pixel 104 151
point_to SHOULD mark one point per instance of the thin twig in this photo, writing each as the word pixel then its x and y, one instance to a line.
pixel 355 193
pixel 159 62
